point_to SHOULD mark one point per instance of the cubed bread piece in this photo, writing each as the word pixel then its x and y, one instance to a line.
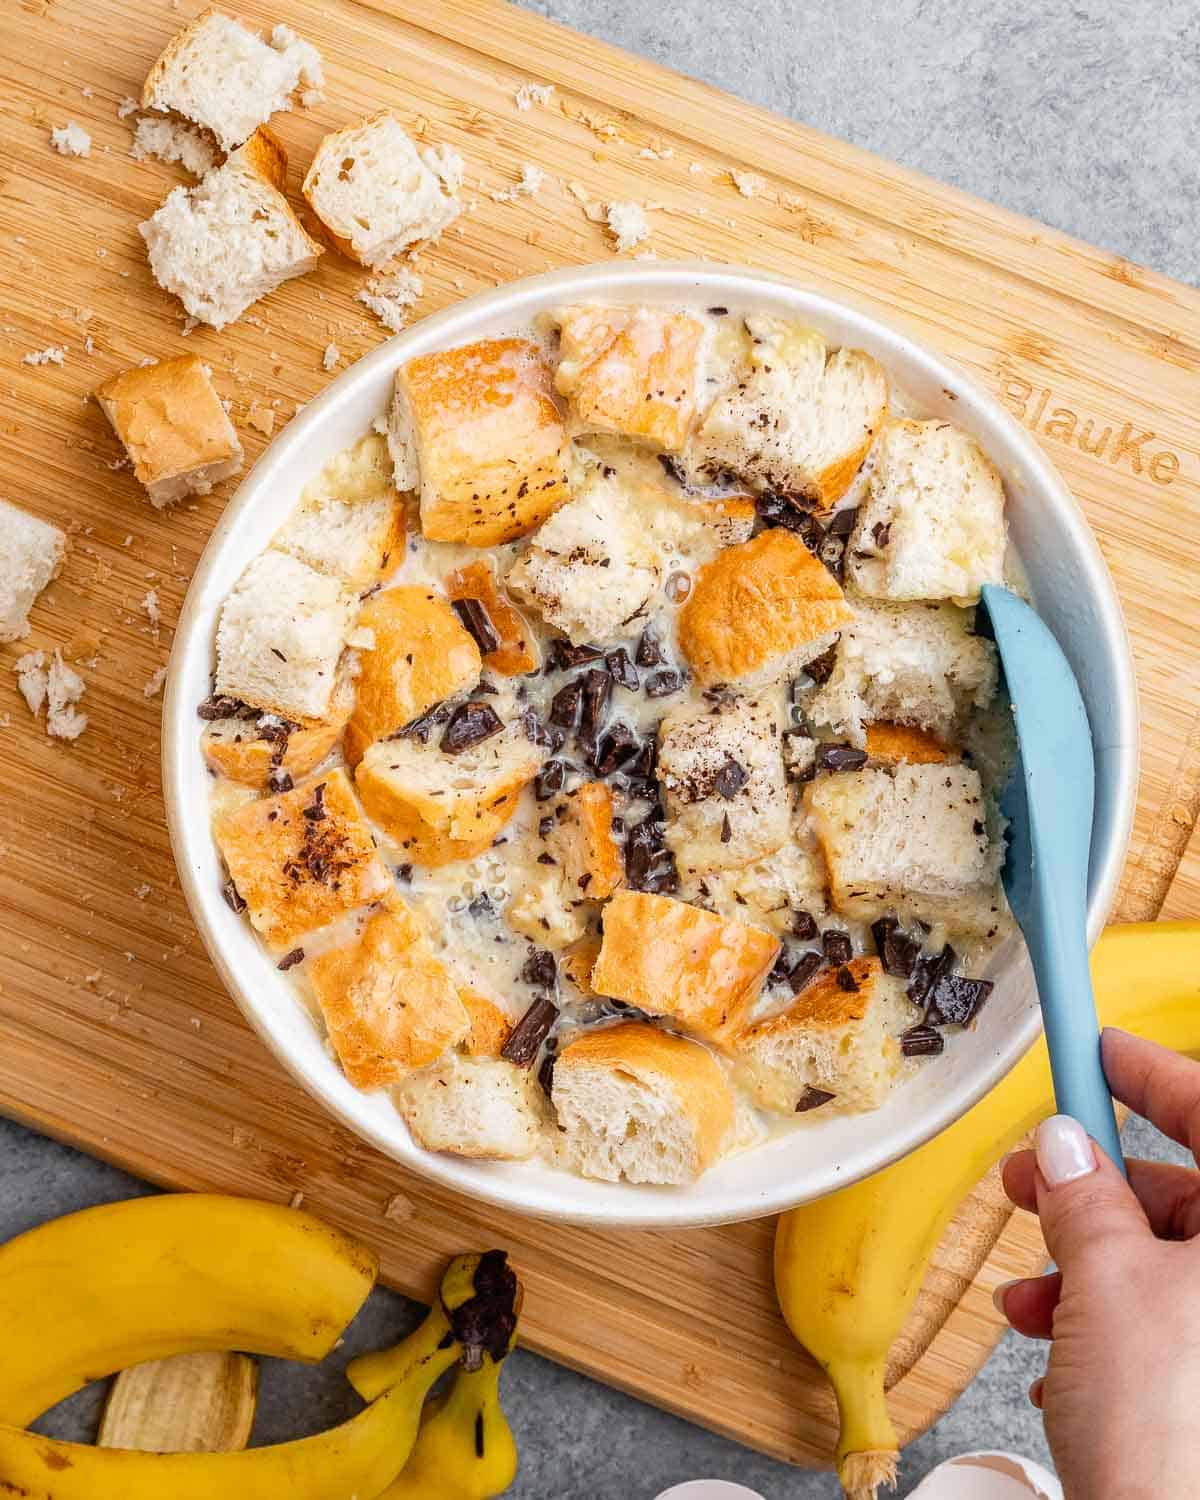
pixel 301 859
pixel 248 749
pixel 350 521
pixel 721 768
pixel 630 370
pixel 439 808
pixel 31 553
pixel 422 654
pixel 639 1103
pixel 798 420
pixel 932 524
pixel 577 962
pixel 839 1040
pixel 914 841
pixel 490 1027
pixel 767 894
pixel 476 428
pixel 517 652
pixel 592 567
pixel 899 744
pixel 389 1005
pixel 546 911
pixel 760 611
pixel 174 429
pixel 917 664
pixel 280 636
pixel 482 1107
pixel 373 193
pixel 232 238
pixel 582 841
pixel 223 76
pixel 671 959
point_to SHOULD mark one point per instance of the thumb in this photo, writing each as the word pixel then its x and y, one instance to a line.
pixel 1082 1199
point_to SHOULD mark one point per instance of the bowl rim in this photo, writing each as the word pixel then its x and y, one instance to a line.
pixel 644 1207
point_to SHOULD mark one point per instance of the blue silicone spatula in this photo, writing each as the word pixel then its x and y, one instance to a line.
pixel 1048 803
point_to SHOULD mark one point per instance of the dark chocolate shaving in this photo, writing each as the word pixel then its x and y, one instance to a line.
pixel 290 960
pixel 540 969
pixel 545 1075
pixel 279 780
pixel 782 510
pixel 812 1098
pixel 470 724
pixel 564 655
pixel 597 690
pixel 530 1032
pixel 550 779
pixel 882 533
pixel 726 829
pixel 232 899
pixel 404 874
pixel 840 758
pixel 730 779
pixel 922 1041
pixel 674 469
pixel 478 623
pixel 624 673
pixel 649 650
pixel 222 706
pixel 820 669
pixel 481 906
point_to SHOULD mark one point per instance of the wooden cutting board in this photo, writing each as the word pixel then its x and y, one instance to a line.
pixel 114 1033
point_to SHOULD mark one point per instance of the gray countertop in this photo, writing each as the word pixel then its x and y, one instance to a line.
pixel 1080 114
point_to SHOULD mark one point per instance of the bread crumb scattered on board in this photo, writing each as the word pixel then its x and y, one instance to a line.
pixel 530 94
pixel 150 605
pixel 749 184
pixel 71 140
pixel 398 1207
pixel 331 356
pixel 53 354
pixel 261 418
pixel 627 223
pixel 127 107
pixel 154 686
pixel 528 185
pixel 143 891
pixel 296 1200
pixel 447 164
pixel 391 298
pixel 57 688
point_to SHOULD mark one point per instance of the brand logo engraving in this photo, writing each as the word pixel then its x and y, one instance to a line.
pixel 1119 444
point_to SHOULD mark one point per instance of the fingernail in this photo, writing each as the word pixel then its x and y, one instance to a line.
pixel 1000 1293
pixel 1064 1151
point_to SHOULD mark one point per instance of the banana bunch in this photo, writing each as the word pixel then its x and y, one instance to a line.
pixel 848 1267
pixel 112 1287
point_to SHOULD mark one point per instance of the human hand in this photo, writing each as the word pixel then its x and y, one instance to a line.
pixel 1121 1393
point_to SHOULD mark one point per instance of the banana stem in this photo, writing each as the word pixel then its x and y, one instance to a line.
pixel 868 1448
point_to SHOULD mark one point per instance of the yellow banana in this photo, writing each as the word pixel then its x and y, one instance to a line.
pixel 356 1461
pixel 111 1287
pixel 848 1267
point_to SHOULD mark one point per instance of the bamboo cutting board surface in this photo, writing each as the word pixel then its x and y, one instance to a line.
pixel 114 1033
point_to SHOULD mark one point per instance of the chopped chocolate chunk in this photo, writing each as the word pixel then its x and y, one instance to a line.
pixel 485 686
pixel 481 906
pixel 470 724
pixel 550 779
pixel 275 651
pixel 820 669
pixel 726 829
pixel 956 1000
pixel 540 969
pixel 404 874
pixel 836 946
pixel 649 864
pixel 546 1071
pixel 421 728
pixel 782 510
pixel 846 980
pixel 563 655
pixel 645 761
pixel 222 706
pixel 290 960
pixel 804 925
pixel 546 859
pixel 649 650
pixel 546 825
pixel 921 1041
pixel 624 672
pixel 530 1032
pixel 674 469
pixel 803 970
pixel 897 952
pixel 840 758
pixel 316 810
pixel 616 747
pixel 597 690
pixel 538 734
pixel 478 623
pixel 832 552
pixel 718 312
pixel 565 705
pixel 781 969
pixel 279 780
pixel 812 1098
pixel 882 532
pixel 232 899
pixel 730 779
pixel 841 523
pixel 663 684
pixel 928 969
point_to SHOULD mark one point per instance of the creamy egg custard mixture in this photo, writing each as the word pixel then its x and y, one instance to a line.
pixel 604 748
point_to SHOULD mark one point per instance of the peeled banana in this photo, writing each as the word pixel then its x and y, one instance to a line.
pixel 848 1267
pixel 355 1461
pixel 111 1287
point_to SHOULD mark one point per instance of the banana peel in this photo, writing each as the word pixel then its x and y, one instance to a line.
pixel 354 1461
pixel 98 1291
pixel 848 1267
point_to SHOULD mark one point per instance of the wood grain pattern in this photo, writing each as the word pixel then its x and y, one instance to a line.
pixel 114 1033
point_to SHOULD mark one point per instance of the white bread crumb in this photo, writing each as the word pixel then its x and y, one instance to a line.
pixel 57 687
pixel 391 298
pixel 528 185
pixel 749 184
pixel 530 94
pixel 54 354
pixel 31 554
pixel 150 605
pixel 126 107
pixel 627 224
pixel 329 359
pixel 71 140
pixel 154 685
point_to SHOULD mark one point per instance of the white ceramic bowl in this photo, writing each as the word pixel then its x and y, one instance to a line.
pixel 1072 590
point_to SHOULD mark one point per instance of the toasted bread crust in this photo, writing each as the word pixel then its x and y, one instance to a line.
pixel 517 652
pixel 890 744
pixel 756 602
pixel 169 418
pixel 669 958
pixel 823 1002
pixel 264 154
pixel 588 851
pixel 421 655
pixel 490 441
pixel 490 1027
